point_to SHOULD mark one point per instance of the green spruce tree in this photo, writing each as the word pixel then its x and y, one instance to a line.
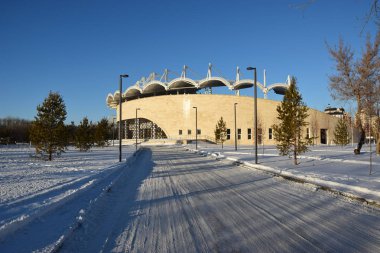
pixel 341 135
pixel 48 133
pixel 84 135
pixel 102 133
pixel 71 133
pixel 220 131
pixel 292 114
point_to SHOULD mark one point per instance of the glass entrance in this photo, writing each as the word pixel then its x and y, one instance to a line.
pixel 323 136
pixel 146 129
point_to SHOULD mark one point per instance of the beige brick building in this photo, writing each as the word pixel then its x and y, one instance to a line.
pixel 173 116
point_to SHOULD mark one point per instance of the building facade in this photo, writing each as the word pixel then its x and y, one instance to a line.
pixel 155 109
pixel 174 117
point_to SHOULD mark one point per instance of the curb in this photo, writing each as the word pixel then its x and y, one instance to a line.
pixel 319 186
pixel 82 213
pixel 322 185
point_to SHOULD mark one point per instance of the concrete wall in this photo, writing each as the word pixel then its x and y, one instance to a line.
pixel 175 112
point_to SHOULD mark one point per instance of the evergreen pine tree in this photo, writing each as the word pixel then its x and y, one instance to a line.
pixel 84 135
pixel 341 135
pixel 102 133
pixel 292 114
pixel 71 133
pixel 220 131
pixel 48 132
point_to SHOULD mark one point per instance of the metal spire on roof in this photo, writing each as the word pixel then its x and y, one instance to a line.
pixel 209 70
pixel 237 74
pixel 183 74
pixel 165 76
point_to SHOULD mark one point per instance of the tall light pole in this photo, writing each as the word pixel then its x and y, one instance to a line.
pixel 235 127
pixel 255 108
pixel 137 127
pixel 378 130
pixel 113 131
pixel 196 127
pixel 120 106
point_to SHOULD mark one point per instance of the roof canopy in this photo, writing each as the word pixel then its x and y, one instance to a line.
pixel 151 87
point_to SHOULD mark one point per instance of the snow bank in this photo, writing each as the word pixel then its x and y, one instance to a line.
pixel 31 188
pixel 331 167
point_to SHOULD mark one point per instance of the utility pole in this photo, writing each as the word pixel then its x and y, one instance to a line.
pixel 255 108
pixel 235 126
pixel 120 109
pixel 137 127
pixel 196 127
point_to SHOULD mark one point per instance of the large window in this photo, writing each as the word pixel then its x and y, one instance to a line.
pixel 180 132
pixel 188 131
pixel 142 129
pixel 260 136
pixel 249 133
pixel 228 133
pixel 270 134
pixel 239 134
pixel 198 131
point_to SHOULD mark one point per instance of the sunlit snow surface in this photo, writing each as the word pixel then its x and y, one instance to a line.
pixel 23 176
pixel 332 166
pixel 176 200
pixel 30 186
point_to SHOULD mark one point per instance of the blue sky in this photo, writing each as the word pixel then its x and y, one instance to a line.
pixel 79 48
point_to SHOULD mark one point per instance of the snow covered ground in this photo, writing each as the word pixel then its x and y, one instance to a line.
pixel 165 199
pixel 30 187
pixel 177 201
pixel 331 166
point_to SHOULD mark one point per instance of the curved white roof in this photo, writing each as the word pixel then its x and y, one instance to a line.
pixel 214 82
pixel 132 91
pixel 154 86
pixel 182 83
pixel 279 88
pixel 247 83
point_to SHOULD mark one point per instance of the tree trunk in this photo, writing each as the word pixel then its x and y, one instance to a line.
pixel 295 156
pixel 360 126
pixel 361 141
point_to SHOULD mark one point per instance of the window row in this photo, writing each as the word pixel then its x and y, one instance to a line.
pixel 239 133
pixel 249 134
pixel 188 131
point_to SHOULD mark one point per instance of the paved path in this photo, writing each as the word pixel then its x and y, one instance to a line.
pixel 171 200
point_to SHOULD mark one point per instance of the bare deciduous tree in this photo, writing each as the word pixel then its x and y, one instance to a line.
pixel 357 79
pixel 261 131
pixel 314 126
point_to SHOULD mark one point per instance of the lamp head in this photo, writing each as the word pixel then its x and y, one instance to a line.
pixel 124 75
pixel 250 68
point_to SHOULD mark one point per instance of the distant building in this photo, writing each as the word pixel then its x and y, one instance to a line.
pixel 336 112
pixel 166 109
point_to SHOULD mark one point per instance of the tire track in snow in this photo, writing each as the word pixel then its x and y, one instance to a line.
pixel 111 212
pixel 42 228
pixel 41 200
pixel 188 203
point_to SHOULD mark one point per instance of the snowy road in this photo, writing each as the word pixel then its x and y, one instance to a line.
pixel 171 200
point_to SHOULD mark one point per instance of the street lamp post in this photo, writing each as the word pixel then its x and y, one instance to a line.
pixel 235 126
pixel 120 106
pixel 255 108
pixel 113 131
pixel 137 127
pixel 196 127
